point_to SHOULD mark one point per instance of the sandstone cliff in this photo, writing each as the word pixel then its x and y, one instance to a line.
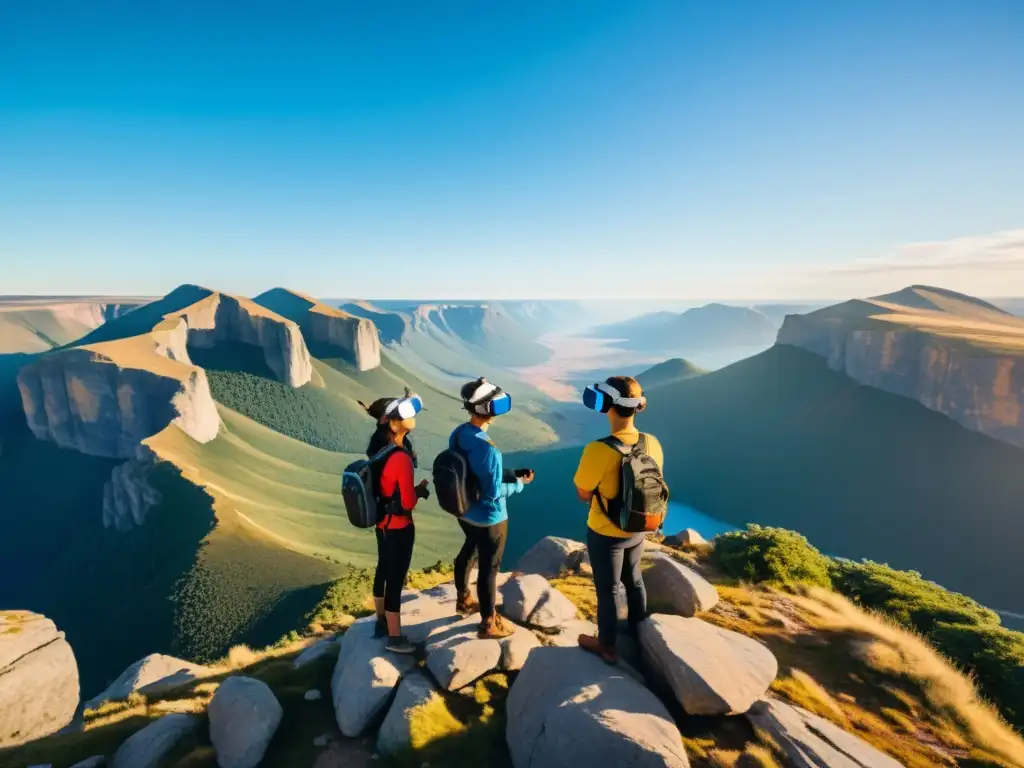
pixel 324 326
pixel 127 494
pixel 953 354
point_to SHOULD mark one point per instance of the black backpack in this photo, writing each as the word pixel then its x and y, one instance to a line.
pixel 360 489
pixel 642 502
pixel 454 482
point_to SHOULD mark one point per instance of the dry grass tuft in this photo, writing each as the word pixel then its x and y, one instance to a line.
pixel 895 651
pixel 804 691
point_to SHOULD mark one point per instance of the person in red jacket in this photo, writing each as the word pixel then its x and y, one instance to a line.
pixel 397 497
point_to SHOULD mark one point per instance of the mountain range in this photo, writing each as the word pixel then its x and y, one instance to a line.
pixel 171 466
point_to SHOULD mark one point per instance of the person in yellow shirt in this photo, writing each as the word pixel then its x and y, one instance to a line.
pixel 615 555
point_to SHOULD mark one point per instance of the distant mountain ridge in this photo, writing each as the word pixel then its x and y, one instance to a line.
pixel 953 353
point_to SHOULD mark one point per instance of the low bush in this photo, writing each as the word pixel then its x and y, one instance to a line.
pixel 906 597
pixel 772 555
pixel 994 655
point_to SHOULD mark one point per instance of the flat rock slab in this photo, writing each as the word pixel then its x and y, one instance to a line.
pixel 810 741
pixel 711 671
pixel 244 716
pixel 364 678
pixel 151 675
pixel 416 691
pixel 569 708
pixel 676 588
pixel 456 656
pixel 550 555
pixel 148 748
pixel 38 678
pixel 568 634
pixel 530 599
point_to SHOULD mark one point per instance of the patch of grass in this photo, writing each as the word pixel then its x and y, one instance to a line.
pixel 580 591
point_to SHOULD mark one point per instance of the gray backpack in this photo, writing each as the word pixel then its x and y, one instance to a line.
pixel 642 502
pixel 359 490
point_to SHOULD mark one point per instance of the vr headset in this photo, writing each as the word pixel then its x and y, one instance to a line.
pixel 489 400
pixel 403 408
pixel 601 397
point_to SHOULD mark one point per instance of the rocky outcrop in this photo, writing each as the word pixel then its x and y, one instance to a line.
pixel 327 327
pixel 687 539
pixel 152 675
pixel 809 741
pixel 128 495
pixel 674 588
pixel 981 386
pixel 567 707
pixel 711 671
pixel 149 747
pixel 416 691
pixel 530 599
pixel 105 402
pixel 316 651
pixel 549 556
pixel 364 678
pixel 244 716
pixel 38 678
pixel 105 398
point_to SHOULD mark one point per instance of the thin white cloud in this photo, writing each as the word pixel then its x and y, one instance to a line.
pixel 997 251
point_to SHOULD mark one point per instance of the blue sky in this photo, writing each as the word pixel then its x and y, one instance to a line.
pixel 675 150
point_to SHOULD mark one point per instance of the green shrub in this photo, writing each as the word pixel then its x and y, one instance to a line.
pixel 770 554
pixel 995 655
pixel 906 597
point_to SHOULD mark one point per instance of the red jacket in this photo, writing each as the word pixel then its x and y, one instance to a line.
pixel 397 473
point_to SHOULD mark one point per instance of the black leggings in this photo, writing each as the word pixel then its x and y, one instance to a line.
pixel 394 555
pixel 488 545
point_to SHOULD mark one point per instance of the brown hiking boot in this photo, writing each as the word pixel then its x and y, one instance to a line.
pixel 466 605
pixel 606 652
pixel 495 628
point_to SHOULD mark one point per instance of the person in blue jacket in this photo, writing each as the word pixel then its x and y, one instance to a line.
pixel 486 522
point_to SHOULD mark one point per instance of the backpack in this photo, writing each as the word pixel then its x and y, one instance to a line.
pixel 360 490
pixel 642 502
pixel 454 482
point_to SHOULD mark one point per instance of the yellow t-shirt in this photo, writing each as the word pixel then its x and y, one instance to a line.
pixel 600 468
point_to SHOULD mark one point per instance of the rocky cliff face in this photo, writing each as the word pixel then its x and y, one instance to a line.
pixel 38 678
pixel 356 335
pixel 128 495
pixel 224 318
pixel 981 390
pixel 95 403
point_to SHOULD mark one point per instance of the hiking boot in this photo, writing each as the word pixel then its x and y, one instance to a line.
pixel 466 605
pixel 400 644
pixel 606 652
pixel 380 629
pixel 496 628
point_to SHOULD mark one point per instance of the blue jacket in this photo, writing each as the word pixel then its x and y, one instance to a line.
pixel 484 461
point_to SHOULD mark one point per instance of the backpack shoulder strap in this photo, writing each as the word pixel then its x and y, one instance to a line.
pixel 640 448
pixel 615 444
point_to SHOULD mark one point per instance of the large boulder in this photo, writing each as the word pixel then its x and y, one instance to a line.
pixel 516 649
pixel 569 708
pixel 456 656
pixel 711 671
pixel 675 588
pixel 38 678
pixel 416 691
pixel 244 716
pixel 810 741
pixel 530 599
pixel 364 678
pixel 149 747
pixel 688 538
pixel 152 675
pixel 550 555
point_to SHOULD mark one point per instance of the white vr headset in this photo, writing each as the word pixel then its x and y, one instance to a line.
pixel 403 408
pixel 602 396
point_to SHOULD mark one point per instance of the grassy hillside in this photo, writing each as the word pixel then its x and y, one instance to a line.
pixel 670 372
pixel 29 326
